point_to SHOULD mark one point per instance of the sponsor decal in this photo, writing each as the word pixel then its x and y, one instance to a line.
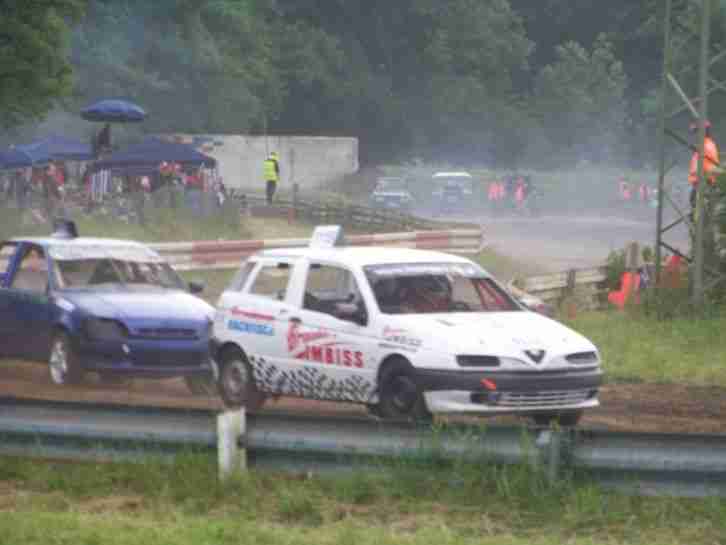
pixel 423 269
pixel 400 336
pixel 320 346
pixel 251 328
pixel 236 311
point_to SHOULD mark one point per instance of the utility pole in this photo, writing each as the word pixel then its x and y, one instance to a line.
pixel 707 58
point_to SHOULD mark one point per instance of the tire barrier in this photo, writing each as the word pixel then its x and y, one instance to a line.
pixel 227 254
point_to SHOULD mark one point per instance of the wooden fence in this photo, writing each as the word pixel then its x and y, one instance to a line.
pixel 587 286
pixel 338 213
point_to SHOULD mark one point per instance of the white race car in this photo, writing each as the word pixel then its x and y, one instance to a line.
pixel 405 332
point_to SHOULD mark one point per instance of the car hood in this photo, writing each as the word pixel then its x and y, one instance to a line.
pixel 502 334
pixel 142 305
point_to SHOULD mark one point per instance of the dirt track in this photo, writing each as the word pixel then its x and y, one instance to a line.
pixel 557 243
pixel 627 407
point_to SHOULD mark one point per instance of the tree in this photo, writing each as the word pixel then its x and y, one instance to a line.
pixel 34 66
pixel 580 99
pixel 421 74
pixel 195 65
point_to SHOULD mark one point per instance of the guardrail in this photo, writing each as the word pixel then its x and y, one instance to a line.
pixel 643 463
pixel 587 285
pixel 226 254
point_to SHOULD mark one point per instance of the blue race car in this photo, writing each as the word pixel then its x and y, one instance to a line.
pixel 113 307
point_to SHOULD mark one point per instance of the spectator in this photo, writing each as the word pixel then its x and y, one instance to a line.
pixel 272 176
pixel 193 187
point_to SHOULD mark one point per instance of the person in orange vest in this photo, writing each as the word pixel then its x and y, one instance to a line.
pixel 625 191
pixel 709 165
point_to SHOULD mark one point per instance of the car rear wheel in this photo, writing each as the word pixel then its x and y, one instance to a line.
pixel 400 395
pixel 63 363
pixel 236 383
pixel 566 418
pixel 200 386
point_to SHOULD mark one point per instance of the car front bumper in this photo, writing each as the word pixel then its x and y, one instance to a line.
pixel 530 392
pixel 149 359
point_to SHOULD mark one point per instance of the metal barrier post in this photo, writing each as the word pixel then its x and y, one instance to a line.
pixel 549 444
pixel 231 457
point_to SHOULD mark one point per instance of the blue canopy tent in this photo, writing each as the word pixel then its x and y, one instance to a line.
pixel 145 157
pixel 60 148
pixel 19 157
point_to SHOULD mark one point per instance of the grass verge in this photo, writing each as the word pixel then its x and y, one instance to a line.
pixel 638 349
pixel 182 503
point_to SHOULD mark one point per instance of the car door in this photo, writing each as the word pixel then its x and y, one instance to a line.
pixel 30 327
pixel 8 251
pixel 332 353
pixel 257 319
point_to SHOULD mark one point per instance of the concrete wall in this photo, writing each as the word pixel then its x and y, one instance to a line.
pixel 309 161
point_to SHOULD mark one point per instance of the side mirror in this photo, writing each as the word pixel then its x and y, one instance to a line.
pixel 350 312
pixel 196 287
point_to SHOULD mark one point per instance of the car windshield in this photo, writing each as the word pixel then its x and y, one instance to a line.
pixel 424 288
pixel 391 184
pixel 86 273
pixel 453 183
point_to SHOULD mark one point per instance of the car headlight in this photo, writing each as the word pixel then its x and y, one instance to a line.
pixel 104 329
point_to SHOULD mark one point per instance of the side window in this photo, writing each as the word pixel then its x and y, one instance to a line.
pixel 7 251
pixel 271 281
pixel 241 277
pixel 32 273
pixel 327 287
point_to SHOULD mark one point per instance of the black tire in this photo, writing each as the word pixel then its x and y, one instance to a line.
pixel 399 395
pixel 114 380
pixel 567 419
pixel 374 410
pixel 236 382
pixel 201 386
pixel 63 365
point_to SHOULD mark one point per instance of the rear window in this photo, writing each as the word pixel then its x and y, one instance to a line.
pixel 272 281
pixel 240 279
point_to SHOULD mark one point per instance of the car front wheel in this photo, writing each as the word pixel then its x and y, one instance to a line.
pixel 400 395
pixel 236 383
pixel 63 363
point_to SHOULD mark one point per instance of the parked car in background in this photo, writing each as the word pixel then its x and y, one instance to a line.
pixel 405 332
pixel 391 193
pixel 113 307
pixel 453 191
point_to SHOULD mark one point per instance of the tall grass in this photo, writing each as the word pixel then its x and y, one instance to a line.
pixel 636 348
pixel 156 502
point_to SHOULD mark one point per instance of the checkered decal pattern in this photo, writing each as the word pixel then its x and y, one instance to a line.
pixel 309 383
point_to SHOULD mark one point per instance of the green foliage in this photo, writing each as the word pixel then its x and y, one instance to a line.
pixel 580 98
pixel 34 66
pixel 614 268
pixel 196 66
